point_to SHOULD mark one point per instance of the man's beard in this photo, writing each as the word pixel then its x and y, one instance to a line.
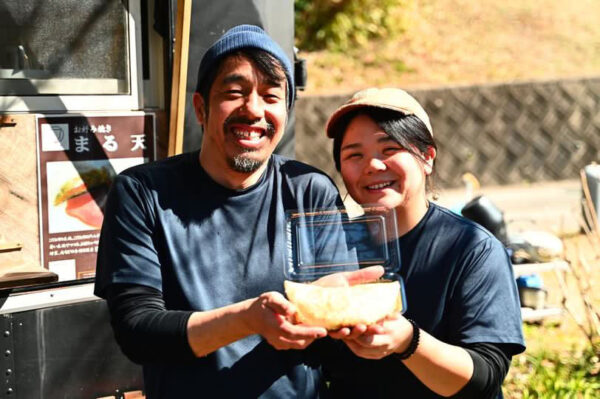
pixel 242 162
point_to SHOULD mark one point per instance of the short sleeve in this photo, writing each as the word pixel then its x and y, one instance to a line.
pixel 126 252
pixel 322 193
pixel 485 304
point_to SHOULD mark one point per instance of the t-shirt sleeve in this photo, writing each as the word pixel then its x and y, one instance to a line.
pixel 321 193
pixel 490 366
pixel 485 304
pixel 144 329
pixel 126 252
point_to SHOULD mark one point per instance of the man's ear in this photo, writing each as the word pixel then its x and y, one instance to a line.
pixel 429 157
pixel 199 108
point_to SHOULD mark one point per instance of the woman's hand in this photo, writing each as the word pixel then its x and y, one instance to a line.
pixel 376 341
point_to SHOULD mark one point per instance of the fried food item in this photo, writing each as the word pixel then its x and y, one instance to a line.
pixel 340 306
pixel 81 184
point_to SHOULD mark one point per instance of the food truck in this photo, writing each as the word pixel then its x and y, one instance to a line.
pixel 87 89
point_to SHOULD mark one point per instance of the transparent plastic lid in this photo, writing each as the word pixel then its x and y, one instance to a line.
pixel 322 242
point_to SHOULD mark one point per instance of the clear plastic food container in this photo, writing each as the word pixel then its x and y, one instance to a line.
pixel 322 242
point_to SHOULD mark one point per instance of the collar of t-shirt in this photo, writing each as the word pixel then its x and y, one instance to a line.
pixel 205 178
pixel 416 231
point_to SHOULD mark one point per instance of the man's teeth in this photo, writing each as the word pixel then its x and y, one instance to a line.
pixel 379 186
pixel 251 135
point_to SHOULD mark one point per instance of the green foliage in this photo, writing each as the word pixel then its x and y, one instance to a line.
pixel 340 25
pixel 549 375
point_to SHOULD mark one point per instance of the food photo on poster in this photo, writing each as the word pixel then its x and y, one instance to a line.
pixel 79 156
pixel 77 192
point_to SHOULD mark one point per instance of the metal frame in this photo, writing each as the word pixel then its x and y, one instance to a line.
pixel 65 351
pixel 47 298
pixel 153 90
pixel 67 103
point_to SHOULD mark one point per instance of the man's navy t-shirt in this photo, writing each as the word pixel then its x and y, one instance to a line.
pixel 170 227
pixel 459 288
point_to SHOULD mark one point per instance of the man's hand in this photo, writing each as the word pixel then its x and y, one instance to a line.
pixel 378 340
pixel 271 316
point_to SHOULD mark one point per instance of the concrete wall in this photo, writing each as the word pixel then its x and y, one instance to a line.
pixel 503 134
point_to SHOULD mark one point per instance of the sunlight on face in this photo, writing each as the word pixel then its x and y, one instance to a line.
pixel 246 118
pixel 377 170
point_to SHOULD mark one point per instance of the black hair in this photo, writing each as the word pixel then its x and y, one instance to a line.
pixel 267 64
pixel 407 130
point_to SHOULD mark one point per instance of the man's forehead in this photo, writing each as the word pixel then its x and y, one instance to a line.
pixel 238 67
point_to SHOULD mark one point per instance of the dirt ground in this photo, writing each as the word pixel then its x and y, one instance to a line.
pixel 466 42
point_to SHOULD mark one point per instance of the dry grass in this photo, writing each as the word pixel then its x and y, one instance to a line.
pixel 555 360
pixel 468 41
pixel 583 252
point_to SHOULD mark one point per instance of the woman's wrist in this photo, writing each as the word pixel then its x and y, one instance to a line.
pixel 411 348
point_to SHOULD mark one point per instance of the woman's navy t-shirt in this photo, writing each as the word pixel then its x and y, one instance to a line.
pixel 460 288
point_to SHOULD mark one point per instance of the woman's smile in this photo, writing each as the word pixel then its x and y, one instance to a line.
pixel 379 186
pixel 377 170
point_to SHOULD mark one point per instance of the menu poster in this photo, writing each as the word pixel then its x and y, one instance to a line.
pixel 78 158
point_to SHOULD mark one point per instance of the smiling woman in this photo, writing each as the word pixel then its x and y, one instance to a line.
pixel 462 322
pixel 377 169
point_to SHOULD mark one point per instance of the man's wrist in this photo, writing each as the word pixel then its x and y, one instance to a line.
pixel 247 316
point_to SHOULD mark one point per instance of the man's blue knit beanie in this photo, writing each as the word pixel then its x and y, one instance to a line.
pixel 243 36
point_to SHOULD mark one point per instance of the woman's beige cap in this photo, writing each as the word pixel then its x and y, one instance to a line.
pixel 387 98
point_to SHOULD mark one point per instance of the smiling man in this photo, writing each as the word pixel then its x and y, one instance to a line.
pixel 193 248
pixel 242 131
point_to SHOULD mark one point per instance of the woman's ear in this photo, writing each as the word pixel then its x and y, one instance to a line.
pixel 429 157
pixel 199 108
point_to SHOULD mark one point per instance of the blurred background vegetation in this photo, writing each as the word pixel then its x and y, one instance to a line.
pixel 340 25
pixel 352 44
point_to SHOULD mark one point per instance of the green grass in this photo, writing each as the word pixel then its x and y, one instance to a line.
pixel 550 374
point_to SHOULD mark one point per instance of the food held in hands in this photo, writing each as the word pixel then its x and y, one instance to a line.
pixel 340 306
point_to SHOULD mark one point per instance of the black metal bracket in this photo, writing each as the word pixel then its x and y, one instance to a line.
pixel 7 358
pixel 300 71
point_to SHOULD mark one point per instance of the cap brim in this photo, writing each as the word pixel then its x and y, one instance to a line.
pixel 344 109
pixel 335 117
